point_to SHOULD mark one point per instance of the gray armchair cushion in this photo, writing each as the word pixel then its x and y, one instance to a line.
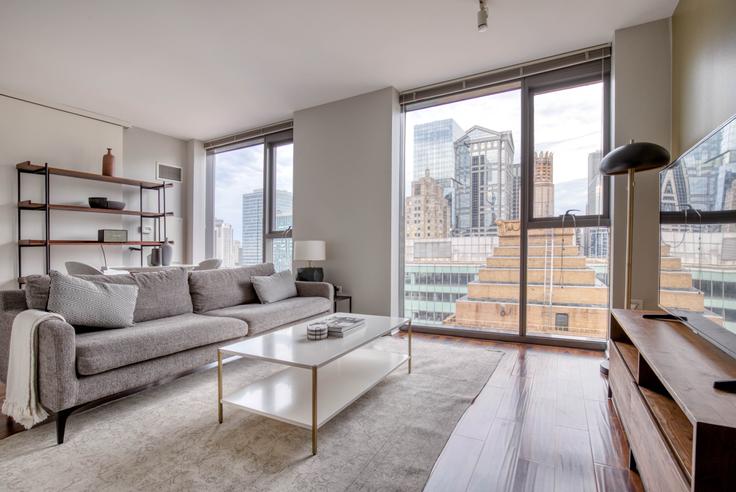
pixel 85 303
pixel 262 317
pixel 276 287
pixel 160 294
pixel 101 351
pixel 215 289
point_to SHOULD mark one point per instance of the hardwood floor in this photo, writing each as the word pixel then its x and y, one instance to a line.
pixel 543 422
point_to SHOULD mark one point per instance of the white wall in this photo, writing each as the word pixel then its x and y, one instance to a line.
pixel 143 149
pixel 42 134
pixel 344 155
pixel 642 111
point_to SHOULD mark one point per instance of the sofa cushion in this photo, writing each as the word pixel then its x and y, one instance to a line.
pixel 215 289
pixel 100 351
pixel 276 287
pixel 37 291
pixel 160 294
pixel 85 303
pixel 262 317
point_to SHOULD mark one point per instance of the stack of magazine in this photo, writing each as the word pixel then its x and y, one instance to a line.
pixel 340 325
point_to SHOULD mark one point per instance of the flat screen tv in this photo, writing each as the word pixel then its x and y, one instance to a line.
pixel 697 258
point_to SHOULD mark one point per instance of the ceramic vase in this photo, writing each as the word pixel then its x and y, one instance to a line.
pixel 108 163
pixel 166 252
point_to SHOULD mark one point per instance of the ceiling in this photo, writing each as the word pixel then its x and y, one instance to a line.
pixel 199 69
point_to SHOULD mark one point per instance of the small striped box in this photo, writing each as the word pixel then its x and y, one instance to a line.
pixel 317 331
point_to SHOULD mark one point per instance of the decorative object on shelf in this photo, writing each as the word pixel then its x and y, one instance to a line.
pixel 630 159
pixel 310 251
pixel 317 331
pixel 154 259
pixel 108 163
pixel 167 252
pixel 112 235
pixel 103 203
pixel 97 201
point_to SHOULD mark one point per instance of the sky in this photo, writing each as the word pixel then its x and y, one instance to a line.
pixel 241 171
pixel 566 122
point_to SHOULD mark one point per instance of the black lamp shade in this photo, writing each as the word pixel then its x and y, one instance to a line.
pixel 639 156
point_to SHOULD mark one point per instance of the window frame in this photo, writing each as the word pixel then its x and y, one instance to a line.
pixel 268 234
pixel 566 78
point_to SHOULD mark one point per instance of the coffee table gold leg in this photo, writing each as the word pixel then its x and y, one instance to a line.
pixel 219 386
pixel 314 411
pixel 409 338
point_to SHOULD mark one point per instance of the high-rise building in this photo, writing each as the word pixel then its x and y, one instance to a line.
pixel 426 212
pixel 544 188
pixel 486 181
pixel 225 247
pixel 434 151
pixel 252 238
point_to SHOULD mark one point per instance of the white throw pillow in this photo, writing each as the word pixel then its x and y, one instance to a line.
pixel 276 287
pixel 97 304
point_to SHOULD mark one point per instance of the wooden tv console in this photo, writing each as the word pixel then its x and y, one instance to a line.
pixel 681 431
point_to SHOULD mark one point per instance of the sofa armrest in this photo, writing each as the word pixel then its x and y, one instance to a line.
pixel 57 375
pixel 12 300
pixel 315 289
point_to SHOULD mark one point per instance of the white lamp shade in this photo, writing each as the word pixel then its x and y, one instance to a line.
pixel 309 250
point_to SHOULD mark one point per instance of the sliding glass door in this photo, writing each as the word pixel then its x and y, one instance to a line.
pixel 505 213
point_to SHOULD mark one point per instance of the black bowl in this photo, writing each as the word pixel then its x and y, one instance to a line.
pixel 98 202
pixel 115 205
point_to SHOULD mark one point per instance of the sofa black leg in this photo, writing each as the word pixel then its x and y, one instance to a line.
pixel 61 417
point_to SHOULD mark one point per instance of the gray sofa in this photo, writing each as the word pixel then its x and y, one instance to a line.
pixel 180 320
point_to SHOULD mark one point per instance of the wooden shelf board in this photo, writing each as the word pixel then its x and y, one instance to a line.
pixel 630 356
pixel 673 352
pixel 78 242
pixel 675 426
pixel 29 205
pixel 71 173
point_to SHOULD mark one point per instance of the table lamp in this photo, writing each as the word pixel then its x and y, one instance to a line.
pixel 309 251
pixel 630 159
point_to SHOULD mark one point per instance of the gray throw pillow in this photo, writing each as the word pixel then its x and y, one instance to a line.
pixel 275 287
pixel 85 303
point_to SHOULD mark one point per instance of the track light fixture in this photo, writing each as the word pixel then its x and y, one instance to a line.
pixel 483 16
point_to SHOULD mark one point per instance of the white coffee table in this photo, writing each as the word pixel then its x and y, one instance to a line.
pixel 324 376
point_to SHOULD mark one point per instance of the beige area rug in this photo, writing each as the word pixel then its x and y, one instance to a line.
pixel 168 438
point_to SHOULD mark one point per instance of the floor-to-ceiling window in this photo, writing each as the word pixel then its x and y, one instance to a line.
pixel 247 225
pixel 505 215
pixel 462 182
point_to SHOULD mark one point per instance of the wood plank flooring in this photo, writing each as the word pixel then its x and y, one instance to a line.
pixel 542 423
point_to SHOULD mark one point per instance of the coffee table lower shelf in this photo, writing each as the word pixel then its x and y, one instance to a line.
pixel 287 395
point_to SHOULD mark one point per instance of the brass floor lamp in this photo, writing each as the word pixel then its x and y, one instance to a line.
pixel 630 159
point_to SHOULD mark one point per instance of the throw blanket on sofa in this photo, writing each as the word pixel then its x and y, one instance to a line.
pixel 21 398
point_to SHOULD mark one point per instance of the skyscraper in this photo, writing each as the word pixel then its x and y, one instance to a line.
pixel 595 184
pixel 426 211
pixel 434 150
pixel 252 239
pixel 225 247
pixel 486 181
pixel 544 188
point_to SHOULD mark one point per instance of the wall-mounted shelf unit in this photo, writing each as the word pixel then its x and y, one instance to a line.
pixel 47 207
